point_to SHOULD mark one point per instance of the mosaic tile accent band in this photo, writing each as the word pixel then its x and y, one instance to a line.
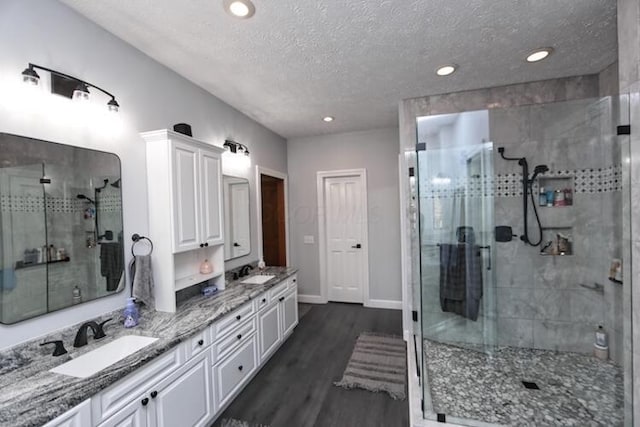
pixel 34 204
pixel 601 180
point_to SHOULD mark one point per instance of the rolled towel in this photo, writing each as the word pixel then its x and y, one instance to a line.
pixel 142 279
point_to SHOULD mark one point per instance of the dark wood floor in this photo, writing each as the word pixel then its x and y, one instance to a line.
pixel 295 388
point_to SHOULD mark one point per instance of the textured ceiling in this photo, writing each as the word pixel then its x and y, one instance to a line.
pixel 297 61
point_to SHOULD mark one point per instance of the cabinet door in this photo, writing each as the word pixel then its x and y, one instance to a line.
pixel 289 312
pixel 269 328
pixel 135 414
pixel 185 200
pixel 185 398
pixel 78 416
pixel 211 196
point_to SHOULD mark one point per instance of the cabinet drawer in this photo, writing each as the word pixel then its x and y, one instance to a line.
pixel 228 344
pixel 279 290
pixel 197 343
pixel 293 281
pixel 262 301
pixel 227 324
pixel 113 399
pixel 231 373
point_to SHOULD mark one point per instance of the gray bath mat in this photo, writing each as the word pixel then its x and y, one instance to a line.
pixel 230 422
pixel 378 363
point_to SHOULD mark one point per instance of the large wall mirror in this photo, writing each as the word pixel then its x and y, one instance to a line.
pixel 237 225
pixel 61 239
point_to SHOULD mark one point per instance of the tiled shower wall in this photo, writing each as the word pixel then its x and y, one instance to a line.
pixel 556 302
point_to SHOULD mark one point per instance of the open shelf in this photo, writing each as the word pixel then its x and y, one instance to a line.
pixel 557 241
pixel 21 264
pixel 194 279
pixel 555 184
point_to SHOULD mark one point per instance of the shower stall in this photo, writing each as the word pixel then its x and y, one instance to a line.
pixel 519 223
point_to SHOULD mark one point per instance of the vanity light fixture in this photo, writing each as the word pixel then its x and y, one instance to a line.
pixel 66 83
pixel 242 9
pixel 328 119
pixel 446 70
pixel 539 54
pixel 235 147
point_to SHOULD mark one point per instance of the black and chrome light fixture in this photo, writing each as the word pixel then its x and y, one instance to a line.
pixel 235 147
pixel 66 85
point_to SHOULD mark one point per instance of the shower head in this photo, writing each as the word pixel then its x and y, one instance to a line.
pixel 538 170
pixel 83 197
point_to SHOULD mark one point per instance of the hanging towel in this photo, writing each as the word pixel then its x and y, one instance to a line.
pixel 142 274
pixel 111 263
pixel 7 279
pixel 461 279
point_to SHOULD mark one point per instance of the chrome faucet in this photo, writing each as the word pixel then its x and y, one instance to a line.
pixel 98 332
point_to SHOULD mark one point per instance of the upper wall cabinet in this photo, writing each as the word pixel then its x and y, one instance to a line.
pixel 184 179
pixel 196 193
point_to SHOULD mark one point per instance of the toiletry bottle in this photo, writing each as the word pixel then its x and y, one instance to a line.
pixel 601 344
pixel 77 295
pixel 550 194
pixel 542 200
pixel 131 314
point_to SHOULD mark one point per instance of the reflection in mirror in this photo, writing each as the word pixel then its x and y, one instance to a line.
pixel 60 227
pixel 236 219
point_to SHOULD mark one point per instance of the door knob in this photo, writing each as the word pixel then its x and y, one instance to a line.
pixel 236 245
pixel 358 246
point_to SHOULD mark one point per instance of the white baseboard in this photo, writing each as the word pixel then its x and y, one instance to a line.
pixel 311 299
pixel 383 303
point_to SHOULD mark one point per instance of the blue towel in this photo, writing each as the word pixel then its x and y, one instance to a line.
pixel 7 279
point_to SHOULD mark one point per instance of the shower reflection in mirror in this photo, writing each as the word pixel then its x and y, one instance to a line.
pixel 60 227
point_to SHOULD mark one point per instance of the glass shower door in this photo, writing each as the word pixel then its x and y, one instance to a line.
pixel 455 185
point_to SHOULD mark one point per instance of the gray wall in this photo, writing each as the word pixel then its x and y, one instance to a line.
pixel 377 152
pixel 152 97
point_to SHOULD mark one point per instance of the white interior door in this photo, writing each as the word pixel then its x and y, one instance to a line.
pixel 345 229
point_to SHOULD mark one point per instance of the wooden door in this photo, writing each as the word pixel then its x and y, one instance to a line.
pixel 274 247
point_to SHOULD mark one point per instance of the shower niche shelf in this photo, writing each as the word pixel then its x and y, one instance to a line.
pixel 557 241
pixel 555 184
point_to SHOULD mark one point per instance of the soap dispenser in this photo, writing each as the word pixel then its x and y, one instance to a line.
pixel 131 313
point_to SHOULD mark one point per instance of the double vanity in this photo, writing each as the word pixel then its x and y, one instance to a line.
pixel 190 367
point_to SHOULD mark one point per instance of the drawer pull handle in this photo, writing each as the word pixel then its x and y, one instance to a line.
pixel 238 317
pixel 239 336
pixel 154 394
pixel 200 342
pixel 145 401
pixel 281 299
pixel 240 368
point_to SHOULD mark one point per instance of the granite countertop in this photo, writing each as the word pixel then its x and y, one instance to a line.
pixel 31 395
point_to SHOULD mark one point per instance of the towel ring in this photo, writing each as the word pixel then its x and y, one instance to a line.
pixel 136 239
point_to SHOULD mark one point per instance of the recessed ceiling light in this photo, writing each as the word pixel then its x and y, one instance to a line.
pixel 539 54
pixel 327 119
pixel 240 8
pixel 446 70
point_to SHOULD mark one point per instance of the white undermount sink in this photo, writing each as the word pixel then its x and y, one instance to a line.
pixel 258 279
pixel 96 360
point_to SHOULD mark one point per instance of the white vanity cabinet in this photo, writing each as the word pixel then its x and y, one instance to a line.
pixel 184 180
pixel 193 383
pixel 78 416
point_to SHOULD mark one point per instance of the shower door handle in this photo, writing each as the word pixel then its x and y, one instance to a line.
pixel 488 248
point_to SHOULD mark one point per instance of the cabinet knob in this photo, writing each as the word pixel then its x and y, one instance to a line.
pixel 154 394
pixel 294 280
pixel 206 244
pixel 281 299
pixel 145 401
pixel 240 368
pixel 202 245
pixel 264 300
pixel 200 342
pixel 238 317
pixel 239 336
